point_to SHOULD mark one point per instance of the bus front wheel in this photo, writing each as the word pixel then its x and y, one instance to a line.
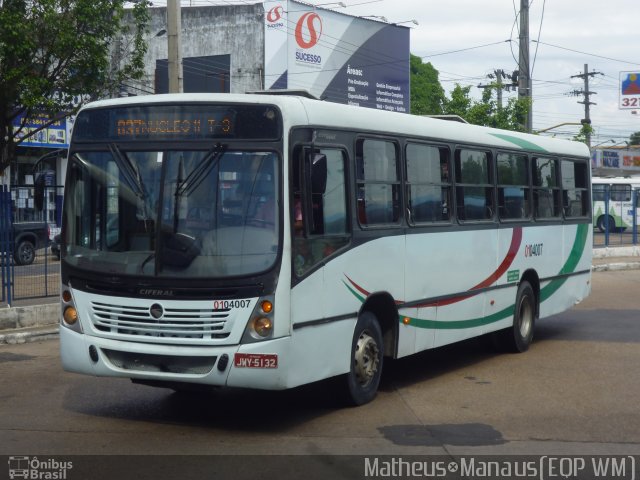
pixel 365 370
pixel 519 336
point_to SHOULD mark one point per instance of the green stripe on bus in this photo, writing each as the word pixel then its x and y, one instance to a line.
pixel 355 294
pixel 460 324
pixel 570 265
pixel 524 144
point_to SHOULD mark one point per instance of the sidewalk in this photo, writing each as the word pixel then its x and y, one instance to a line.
pixel 27 322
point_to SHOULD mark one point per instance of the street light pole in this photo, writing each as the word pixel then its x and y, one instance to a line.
pixel 174 44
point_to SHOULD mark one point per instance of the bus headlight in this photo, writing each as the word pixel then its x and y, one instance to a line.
pixel 69 311
pixel 260 324
pixel 70 315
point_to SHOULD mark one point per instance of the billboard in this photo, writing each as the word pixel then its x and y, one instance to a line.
pixel 624 159
pixel 55 135
pixel 629 90
pixel 336 57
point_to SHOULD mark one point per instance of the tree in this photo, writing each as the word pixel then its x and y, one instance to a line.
pixel 586 131
pixel 55 55
pixel 634 139
pixel 486 111
pixel 427 95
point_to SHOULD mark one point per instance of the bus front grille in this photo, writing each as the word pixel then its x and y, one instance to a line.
pixel 199 323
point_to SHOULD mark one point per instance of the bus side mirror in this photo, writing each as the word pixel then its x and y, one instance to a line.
pixel 38 193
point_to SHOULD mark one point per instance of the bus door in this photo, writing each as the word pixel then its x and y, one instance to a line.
pixel 320 231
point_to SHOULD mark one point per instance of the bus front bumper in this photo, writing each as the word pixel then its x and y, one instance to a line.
pixel 257 365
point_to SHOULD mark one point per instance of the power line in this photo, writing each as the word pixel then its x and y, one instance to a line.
pixel 587 53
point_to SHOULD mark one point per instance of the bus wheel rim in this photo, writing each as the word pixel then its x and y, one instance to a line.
pixel 526 317
pixel 366 358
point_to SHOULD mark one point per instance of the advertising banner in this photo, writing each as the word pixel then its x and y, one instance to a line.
pixel 275 44
pixel 624 159
pixel 337 57
pixel 55 135
pixel 629 90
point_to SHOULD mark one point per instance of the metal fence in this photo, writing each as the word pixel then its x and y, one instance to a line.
pixel 38 278
pixel 615 215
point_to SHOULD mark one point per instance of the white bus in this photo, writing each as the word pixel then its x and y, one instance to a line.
pixel 620 192
pixel 270 241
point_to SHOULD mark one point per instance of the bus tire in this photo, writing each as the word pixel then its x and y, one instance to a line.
pixel 367 354
pixel 518 337
pixel 601 224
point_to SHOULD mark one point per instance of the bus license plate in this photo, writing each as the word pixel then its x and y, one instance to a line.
pixel 255 360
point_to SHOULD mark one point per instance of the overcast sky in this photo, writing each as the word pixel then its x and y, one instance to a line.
pixel 596 28
pixel 603 34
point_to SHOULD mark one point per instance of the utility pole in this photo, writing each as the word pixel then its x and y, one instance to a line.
pixel 586 93
pixel 499 75
pixel 174 44
pixel 524 77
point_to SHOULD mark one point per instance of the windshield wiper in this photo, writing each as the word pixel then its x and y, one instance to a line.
pixel 198 174
pixel 130 173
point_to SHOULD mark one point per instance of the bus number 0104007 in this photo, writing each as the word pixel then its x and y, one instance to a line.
pixel 229 304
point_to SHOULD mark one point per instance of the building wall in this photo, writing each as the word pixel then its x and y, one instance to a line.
pixel 235 30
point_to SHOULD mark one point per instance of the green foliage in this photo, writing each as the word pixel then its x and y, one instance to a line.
pixel 634 139
pixel 486 111
pixel 584 134
pixel 56 54
pixel 427 95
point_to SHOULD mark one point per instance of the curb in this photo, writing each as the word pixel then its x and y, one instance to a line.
pixel 25 335
pixel 612 267
pixel 609 252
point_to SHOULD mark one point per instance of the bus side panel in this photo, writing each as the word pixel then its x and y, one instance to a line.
pixel 373 268
pixel 569 287
pixel 320 352
pixel 335 293
pixel 473 259
pixel 425 267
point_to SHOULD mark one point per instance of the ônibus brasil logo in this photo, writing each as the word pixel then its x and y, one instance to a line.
pixel 308 30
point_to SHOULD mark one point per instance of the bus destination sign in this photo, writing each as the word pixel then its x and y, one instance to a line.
pixel 178 122
pixel 143 127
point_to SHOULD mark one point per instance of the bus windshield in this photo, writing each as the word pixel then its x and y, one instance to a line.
pixel 172 213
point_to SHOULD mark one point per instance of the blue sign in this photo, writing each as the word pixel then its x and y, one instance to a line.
pixel 51 136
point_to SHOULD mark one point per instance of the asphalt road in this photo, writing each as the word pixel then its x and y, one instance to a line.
pixel 574 392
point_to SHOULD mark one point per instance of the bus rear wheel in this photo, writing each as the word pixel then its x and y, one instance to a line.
pixel 519 336
pixel 612 225
pixel 367 353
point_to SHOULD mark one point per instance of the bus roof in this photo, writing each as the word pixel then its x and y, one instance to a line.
pixel 334 115
pixel 617 180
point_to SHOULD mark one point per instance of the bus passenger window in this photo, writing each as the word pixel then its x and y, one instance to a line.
pixel 546 188
pixel 378 182
pixel 428 187
pixel 575 187
pixel 474 187
pixel 513 186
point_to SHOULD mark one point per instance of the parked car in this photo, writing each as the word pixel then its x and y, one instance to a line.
pixel 27 238
pixel 55 246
